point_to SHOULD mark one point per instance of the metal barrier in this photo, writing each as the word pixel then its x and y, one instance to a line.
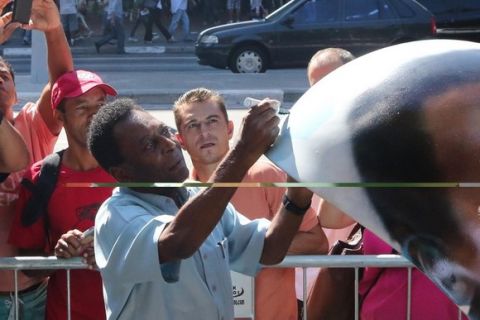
pixel 302 261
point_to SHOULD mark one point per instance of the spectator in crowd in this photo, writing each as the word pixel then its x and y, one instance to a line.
pixel 321 64
pixel 155 9
pixel 158 248
pixel 14 154
pixel 178 9
pixel 68 14
pixel 76 97
pixel 114 15
pixel 231 6
pixel 141 18
pixel 325 61
pixel 204 132
pixel 39 129
pixel 210 13
pixel 257 10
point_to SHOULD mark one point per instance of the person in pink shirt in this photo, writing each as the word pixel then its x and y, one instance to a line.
pixel 383 291
pixel 39 130
pixel 204 132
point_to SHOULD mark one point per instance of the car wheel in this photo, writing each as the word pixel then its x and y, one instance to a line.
pixel 248 59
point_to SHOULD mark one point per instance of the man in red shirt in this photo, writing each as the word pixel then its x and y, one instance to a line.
pixel 39 130
pixel 76 97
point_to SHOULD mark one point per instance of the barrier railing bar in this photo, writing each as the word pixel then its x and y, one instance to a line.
pixel 17 307
pixel 69 311
pixel 409 292
pixel 357 304
pixel 346 261
pixel 304 305
pixel 301 261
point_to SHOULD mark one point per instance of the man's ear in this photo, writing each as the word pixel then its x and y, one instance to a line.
pixel 230 128
pixel 120 174
pixel 179 138
pixel 58 115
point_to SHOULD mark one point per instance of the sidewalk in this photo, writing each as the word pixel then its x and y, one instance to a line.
pixel 85 46
pixel 159 89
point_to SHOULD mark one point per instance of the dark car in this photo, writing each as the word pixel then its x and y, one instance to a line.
pixel 456 19
pixel 293 33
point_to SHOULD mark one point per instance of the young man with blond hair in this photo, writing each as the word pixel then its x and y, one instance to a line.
pixel 204 131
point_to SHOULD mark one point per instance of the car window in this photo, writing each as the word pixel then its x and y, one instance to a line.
pixel 439 6
pixel 316 11
pixel 402 9
pixel 471 5
pixel 361 10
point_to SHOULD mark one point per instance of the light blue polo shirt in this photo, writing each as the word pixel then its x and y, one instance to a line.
pixel 136 286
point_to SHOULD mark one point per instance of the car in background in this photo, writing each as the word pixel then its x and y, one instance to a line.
pixel 293 33
pixel 456 19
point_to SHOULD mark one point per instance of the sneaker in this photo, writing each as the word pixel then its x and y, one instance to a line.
pixel 155 36
pixel 97 47
pixel 172 39
pixel 132 39
pixel 148 41
pixel 230 21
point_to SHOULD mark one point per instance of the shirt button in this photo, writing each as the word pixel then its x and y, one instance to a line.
pixel 205 256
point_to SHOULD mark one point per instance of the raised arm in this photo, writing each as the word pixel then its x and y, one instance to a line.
pixel 14 155
pixel 331 217
pixel 198 217
pixel 313 241
pixel 284 226
pixel 45 17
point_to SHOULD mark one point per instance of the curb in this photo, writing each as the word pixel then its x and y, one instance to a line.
pixel 84 50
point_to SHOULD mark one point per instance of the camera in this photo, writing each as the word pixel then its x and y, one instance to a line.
pixel 21 11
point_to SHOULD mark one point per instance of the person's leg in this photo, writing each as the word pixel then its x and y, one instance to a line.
pixel 237 9
pixel 148 18
pixel 174 23
pixel 230 10
pixel 157 18
pixel 120 31
pixel 185 25
pixel 135 27
pixel 73 26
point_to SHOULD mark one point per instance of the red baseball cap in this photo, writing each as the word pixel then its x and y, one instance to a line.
pixel 75 83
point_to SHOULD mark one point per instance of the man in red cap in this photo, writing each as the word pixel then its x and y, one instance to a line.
pixel 76 97
pixel 39 130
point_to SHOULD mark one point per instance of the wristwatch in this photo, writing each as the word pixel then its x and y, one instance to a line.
pixel 293 208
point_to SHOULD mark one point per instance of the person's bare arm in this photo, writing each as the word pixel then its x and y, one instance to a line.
pixel 313 241
pixel 197 218
pixel 331 217
pixel 284 226
pixel 45 17
pixel 14 155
